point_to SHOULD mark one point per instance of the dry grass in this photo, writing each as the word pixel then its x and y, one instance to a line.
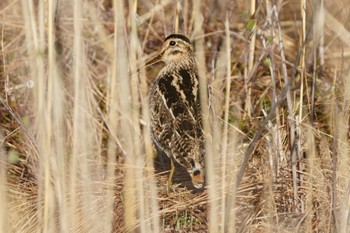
pixel 75 151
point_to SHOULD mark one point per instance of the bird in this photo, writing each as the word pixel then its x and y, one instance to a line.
pixel 175 109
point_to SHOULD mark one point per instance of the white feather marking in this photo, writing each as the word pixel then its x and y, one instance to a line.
pixel 175 83
pixel 195 88
pixel 165 104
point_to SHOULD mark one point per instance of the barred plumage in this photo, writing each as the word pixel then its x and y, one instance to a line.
pixel 175 110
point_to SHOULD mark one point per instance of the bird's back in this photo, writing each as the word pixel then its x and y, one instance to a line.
pixel 175 111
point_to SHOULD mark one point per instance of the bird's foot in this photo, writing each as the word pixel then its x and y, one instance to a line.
pixel 169 187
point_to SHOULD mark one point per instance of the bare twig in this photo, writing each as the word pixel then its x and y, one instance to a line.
pixel 209 158
pixel 290 109
pixel 247 73
pixel 337 27
pixel 225 132
pixel 20 123
pixel 269 116
pixel 155 9
pixel 177 14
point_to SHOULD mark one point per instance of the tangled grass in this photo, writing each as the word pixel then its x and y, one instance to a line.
pixel 76 155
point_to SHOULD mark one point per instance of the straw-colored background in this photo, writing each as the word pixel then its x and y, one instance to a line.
pixel 76 155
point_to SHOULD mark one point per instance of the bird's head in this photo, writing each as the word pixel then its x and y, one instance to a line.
pixel 176 48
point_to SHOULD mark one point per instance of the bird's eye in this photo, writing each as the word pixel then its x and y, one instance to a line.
pixel 172 43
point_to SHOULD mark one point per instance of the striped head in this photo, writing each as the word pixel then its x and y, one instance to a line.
pixel 176 48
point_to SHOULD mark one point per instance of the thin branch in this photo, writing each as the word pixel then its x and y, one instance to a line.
pixel 269 116
pixel 19 122
pixel 291 117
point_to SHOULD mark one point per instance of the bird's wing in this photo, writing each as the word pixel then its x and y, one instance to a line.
pixel 178 118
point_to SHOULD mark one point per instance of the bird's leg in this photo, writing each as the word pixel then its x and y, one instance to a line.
pixel 169 183
pixel 155 154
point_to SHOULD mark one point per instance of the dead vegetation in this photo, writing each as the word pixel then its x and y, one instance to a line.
pixel 75 151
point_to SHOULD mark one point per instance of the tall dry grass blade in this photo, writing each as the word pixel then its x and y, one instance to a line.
pixel 249 70
pixel 112 103
pixel 338 27
pixel 303 11
pixel 226 226
pixel 343 181
pixel 34 45
pixel 177 16
pixel 333 110
pixel 275 168
pixel 321 20
pixel 291 118
pixel 137 144
pixel 112 149
pixel 83 170
pixel 270 221
pixel 302 75
pixel 209 160
pixel 150 187
pixel 278 154
pixel 56 114
pixel 185 8
pixel 127 117
pixel 146 185
pixel 318 47
pixel 4 208
pixel 37 72
pixel 311 180
pixel 74 223
pixel 86 132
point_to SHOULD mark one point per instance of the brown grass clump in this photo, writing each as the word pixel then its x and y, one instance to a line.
pixel 75 151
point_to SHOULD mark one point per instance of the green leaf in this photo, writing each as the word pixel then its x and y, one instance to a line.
pixel 251 24
pixel 267 61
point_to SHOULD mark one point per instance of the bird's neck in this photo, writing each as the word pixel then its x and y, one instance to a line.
pixel 188 63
